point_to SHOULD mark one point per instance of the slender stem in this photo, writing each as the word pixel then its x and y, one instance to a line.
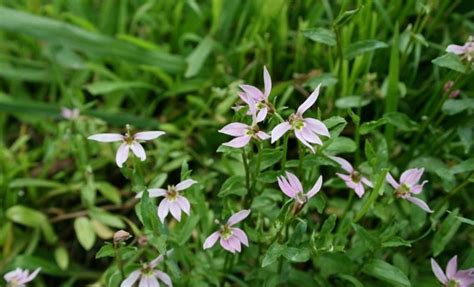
pixel 301 159
pixel 285 151
pixel 246 167
pixel 373 195
pixel 257 168
pixel 349 204
pixel 118 257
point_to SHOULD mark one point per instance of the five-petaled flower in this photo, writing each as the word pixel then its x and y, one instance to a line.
pixel 307 130
pixel 149 275
pixel 465 51
pixel 243 132
pixel 409 185
pixel 19 277
pixel 354 179
pixel 263 106
pixel 128 142
pixel 292 187
pixel 173 202
pixel 453 277
pixel 230 237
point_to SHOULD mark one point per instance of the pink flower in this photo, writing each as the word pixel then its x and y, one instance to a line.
pixel 263 106
pixel 128 142
pixel 354 179
pixel 307 130
pixel 453 276
pixel 149 275
pixel 230 237
pixel 243 132
pixel 173 202
pixel 19 277
pixel 69 114
pixel 292 187
pixel 409 185
pixel 466 51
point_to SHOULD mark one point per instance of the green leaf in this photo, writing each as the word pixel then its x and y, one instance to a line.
pixel 325 79
pixel 434 165
pixel 233 185
pixel 362 47
pixel 450 61
pixel 105 251
pixel 296 254
pixel 400 121
pixel 341 145
pixel 270 157
pixel 148 212
pixel 109 191
pixel 321 35
pixel 62 257
pixel 197 58
pixel 345 17
pixel 386 272
pixel 446 232
pixel 84 232
pixel 456 106
pixel 106 218
pixel 32 218
pixel 274 252
pixel 187 229
pixel 99 88
pixel 352 102
pixel 34 182
pixel 464 166
pixel 367 127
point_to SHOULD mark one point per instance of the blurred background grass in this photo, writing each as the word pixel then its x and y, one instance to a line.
pixel 176 65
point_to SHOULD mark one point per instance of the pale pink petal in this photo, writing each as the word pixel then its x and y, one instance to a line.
pixel 261 115
pixel 238 217
pixel 253 92
pixel 131 279
pixel 316 188
pixel 343 163
pixel 33 275
pixel 240 234
pixel 238 142
pixel 165 278
pixel 359 190
pixel 280 130
pixel 452 267
pixel 285 187
pixel 267 81
pixel 418 188
pixel 163 210
pixel 317 126
pixel 420 203
pixel 244 98
pixel 12 274
pixel 300 137
pixel 438 272
pixel 152 192
pixel 183 204
pixel 185 184
pixel 106 138
pixel 294 182
pixel 235 129
pixel 138 150
pixel 175 210
pixel 263 135
pixel 146 136
pixel 122 154
pixel 344 177
pixel 211 240
pixel 392 181
pixel 309 101
pixel 234 242
pixel 411 177
pixel 225 244
pixel 366 182
pixel 456 49
pixel 310 136
pixel 160 258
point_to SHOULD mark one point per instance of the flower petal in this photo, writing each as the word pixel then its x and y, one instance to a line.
pixel 294 182
pixel 122 154
pixel 211 240
pixel 316 188
pixel 310 136
pixel 455 49
pixel 131 279
pixel 343 163
pixel 165 278
pixel 280 130
pixel 412 176
pixel 285 187
pixel 33 275
pixel 225 244
pixel 267 80
pixel 234 242
pixel 392 181
pixel 138 150
pixel 238 142
pixel 317 126
pixel 261 115
pixel 452 267
pixel 240 234
pixel 253 92
pixel 105 138
pixel 418 188
pixel 262 135
pixel 359 190
pixel 238 217
pixel 309 101
pixel 234 129
pixel 438 272
pixel 367 182
pixel 163 210
pixel 152 192
pixel 300 137
pixel 185 184
pixel 146 136
pixel 420 203
pixel 183 204
pixel 175 210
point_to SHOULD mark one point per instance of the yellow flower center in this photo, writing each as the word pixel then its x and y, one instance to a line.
pixel 225 231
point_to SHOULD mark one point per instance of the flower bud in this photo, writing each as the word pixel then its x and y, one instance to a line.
pixel 121 235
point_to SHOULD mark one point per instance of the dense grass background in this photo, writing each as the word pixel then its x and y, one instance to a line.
pixel 175 66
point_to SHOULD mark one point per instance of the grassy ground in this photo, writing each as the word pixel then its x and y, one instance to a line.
pixel 176 66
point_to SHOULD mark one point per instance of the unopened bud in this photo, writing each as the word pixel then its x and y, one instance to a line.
pixel 121 235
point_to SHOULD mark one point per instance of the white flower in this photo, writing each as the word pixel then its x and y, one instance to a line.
pixel 148 275
pixel 19 277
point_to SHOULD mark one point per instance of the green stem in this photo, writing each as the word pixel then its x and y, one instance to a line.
pixel 349 205
pixel 118 257
pixel 257 168
pixel 373 195
pixel 285 151
pixel 246 167
pixel 301 159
